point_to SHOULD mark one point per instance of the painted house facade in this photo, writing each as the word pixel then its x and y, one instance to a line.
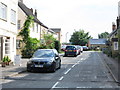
pixel 113 39
pixel 58 33
pixel 8 28
pixel 36 31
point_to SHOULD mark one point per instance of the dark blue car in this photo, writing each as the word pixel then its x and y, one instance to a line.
pixel 71 50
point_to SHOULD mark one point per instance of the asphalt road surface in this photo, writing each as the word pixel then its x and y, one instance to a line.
pixel 82 72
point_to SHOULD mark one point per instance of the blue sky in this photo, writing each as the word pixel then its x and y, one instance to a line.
pixel 93 16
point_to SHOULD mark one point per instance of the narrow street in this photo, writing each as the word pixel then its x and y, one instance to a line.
pixel 87 70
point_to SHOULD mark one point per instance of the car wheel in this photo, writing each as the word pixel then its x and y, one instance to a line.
pixel 75 55
pixel 59 65
pixel 28 70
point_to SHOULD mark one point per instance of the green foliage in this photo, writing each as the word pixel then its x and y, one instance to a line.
pixel 80 38
pixel 31 44
pixel 49 41
pixel 103 35
pixel 57 45
pixel 25 32
pixel 6 59
pixel 30 47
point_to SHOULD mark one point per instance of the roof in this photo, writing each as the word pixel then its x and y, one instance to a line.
pixel 51 31
pixel 28 12
pixel 56 29
pixel 97 41
pixel 113 32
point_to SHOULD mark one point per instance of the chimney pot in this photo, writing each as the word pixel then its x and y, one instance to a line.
pixel 31 10
pixel 35 12
pixel 113 26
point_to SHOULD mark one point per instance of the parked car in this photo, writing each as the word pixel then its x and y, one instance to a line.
pixel 85 48
pixel 79 49
pixel 71 50
pixel 63 47
pixel 44 59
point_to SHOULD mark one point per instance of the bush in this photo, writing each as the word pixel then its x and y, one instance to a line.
pixel 115 55
pixel 30 47
pixel 107 51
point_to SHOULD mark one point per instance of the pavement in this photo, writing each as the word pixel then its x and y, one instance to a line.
pixel 11 70
pixel 113 65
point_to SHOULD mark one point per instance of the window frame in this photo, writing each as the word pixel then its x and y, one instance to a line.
pixel 13 16
pixel 3 15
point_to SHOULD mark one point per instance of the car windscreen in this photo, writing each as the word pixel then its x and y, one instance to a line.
pixel 70 48
pixel 43 53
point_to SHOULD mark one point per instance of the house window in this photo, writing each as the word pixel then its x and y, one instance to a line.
pixel 3 11
pixel 19 25
pixel 37 27
pixel 33 27
pixel 13 16
pixel 115 45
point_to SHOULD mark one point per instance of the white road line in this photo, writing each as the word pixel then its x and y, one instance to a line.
pixel 81 58
pixel 73 66
pixel 55 85
pixel 67 71
pixel 61 78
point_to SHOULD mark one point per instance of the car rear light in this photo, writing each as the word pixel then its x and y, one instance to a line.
pixel 65 50
pixel 75 50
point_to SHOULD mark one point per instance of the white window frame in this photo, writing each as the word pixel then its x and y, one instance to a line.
pixel 13 16
pixel 115 45
pixel 3 11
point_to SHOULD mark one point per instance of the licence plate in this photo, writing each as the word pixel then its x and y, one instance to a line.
pixel 70 50
pixel 38 65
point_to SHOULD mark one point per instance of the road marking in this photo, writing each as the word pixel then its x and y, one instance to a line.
pixel 61 78
pixel 67 71
pixel 55 84
pixel 81 58
pixel 73 66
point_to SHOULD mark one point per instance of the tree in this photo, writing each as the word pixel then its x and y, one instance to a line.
pixel 49 41
pixel 57 45
pixel 103 35
pixel 80 38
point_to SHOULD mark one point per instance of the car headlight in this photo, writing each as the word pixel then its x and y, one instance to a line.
pixel 49 62
pixel 29 62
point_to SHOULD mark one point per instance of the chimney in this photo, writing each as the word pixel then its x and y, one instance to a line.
pixel 117 21
pixel 21 1
pixel 31 10
pixel 35 12
pixel 113 26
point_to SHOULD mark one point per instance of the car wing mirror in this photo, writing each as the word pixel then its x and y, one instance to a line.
pixel 56 56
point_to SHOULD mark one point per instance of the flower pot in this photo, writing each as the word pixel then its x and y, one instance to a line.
pixel 3 64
